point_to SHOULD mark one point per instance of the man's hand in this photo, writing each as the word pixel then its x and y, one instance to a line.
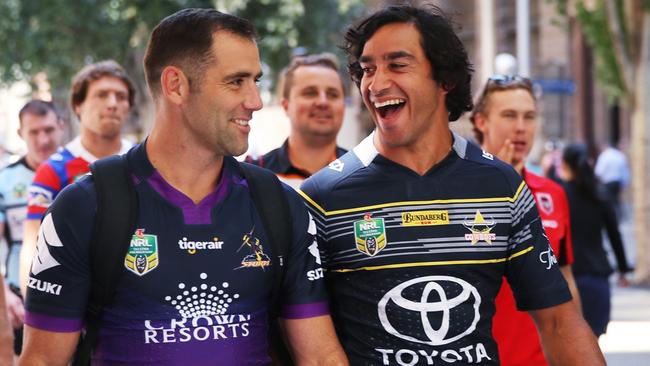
pixel 15 308
pixel 507 155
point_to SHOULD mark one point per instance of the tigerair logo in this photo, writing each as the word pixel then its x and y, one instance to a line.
pixel 193 246
pixel 425 218
pixel 480 229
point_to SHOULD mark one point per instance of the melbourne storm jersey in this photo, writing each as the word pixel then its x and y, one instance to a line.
pixel 196 279
pixel 414 262
pixel 62 168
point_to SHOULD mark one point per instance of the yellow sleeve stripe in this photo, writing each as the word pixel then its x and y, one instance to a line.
pixel 311 201
pixel 437 263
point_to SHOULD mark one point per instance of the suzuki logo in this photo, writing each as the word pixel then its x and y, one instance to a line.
pixel 431 301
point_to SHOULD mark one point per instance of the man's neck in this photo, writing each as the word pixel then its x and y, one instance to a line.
pixel 420 156
pixel 184 164
pixel 31 163
pixel 99 146
pixel 309 156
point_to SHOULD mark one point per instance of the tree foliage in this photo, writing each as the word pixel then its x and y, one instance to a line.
pixel 58 37
pixel 299 26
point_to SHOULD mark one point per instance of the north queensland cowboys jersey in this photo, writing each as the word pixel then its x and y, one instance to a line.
pixel 414 262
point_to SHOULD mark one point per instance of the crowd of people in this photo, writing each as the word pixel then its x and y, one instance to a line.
pixel 417 247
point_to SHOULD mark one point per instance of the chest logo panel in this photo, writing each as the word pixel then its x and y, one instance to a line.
pixel 370 235
pixel 545 202
pixel 425 218
pixel 479 229
pixel 257 257
pixel 142 256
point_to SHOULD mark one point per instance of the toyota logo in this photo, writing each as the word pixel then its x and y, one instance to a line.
pixel 421 300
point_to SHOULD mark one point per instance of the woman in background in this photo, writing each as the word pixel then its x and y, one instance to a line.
pixel 589 215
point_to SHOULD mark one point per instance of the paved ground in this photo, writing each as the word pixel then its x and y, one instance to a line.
pixel 627 342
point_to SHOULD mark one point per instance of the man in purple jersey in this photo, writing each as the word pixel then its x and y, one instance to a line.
pixel 195 285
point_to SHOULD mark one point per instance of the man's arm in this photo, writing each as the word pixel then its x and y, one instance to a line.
pixel 566 338
pixel 47 348
pixel 30 232
pixel 571 281
pixel 313 341
pixel 6 331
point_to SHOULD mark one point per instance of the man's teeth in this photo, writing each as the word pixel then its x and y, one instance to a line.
pixel 241 122
pixel 388 102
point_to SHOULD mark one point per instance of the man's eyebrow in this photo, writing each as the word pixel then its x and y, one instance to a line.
pixel 389 57
pixel 365 59
pixel 243 74
pixel 398 54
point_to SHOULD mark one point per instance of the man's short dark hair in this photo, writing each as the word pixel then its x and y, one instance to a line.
pixel 37 107
pixel 93 72
pixel 184 39
pixel 450 64
pixel 326 60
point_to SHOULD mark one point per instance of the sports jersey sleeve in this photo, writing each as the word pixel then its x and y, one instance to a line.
pixel 304 291
pixel 43 190
pixel 532 270
pixel 58 284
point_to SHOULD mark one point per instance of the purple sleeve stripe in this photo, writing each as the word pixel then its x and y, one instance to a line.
pixel 52 324
pixel 305 310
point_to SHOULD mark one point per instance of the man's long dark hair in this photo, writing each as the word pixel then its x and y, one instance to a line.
pixel 450 64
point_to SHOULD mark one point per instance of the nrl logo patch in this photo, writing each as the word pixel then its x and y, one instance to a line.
pixel 370 235
pixel 142 256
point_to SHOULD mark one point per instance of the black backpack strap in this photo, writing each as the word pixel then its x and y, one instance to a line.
pixel 117 212
pixel 272 205
pixel 271 202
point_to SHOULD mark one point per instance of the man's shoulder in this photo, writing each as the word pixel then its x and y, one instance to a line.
pixel 537 183
pixel 269 160
pixel 334 173
pixel 480 164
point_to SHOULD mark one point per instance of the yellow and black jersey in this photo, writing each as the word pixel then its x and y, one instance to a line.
pixel 414 262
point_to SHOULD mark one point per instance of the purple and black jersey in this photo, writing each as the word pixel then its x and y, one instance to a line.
pixel 414 262
pixel 196 283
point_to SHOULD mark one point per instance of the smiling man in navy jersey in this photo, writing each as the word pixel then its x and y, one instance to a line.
pixel 418 226
pixel 195 286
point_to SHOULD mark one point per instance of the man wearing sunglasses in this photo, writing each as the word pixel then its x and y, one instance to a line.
pixel 505 122
pixel 418 226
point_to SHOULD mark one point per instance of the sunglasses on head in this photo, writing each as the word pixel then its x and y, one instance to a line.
pixel 505 80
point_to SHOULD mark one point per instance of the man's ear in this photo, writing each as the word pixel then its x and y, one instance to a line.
pixel 481 122
pixel 174 84
pixel 285 104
